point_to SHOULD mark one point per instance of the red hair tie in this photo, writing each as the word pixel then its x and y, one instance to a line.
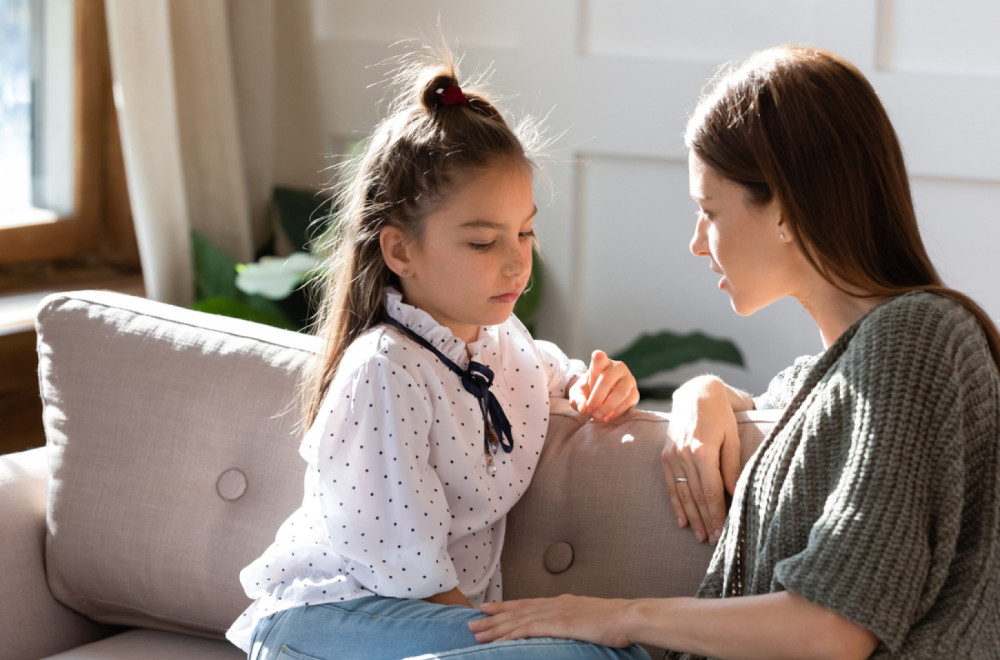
pixel 452 96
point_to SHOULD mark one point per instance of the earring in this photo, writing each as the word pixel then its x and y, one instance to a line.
pixel 404 273
pixel 781 235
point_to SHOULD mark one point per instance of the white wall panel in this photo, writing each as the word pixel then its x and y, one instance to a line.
pixel 712 30
pixel 619 77
pixel 960 221
pixel 957 37
pixel 375 21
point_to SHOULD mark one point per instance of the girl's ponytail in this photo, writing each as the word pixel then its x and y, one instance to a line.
pixel 436 133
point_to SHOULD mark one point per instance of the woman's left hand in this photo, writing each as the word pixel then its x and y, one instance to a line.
pixel 607 390
pixel 595 620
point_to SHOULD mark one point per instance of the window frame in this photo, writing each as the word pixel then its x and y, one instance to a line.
pixel 99 229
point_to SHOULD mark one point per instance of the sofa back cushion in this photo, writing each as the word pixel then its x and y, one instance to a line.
pixel 173 456
pixel 597 520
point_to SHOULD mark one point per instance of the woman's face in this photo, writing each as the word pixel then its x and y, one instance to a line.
pixel 743 242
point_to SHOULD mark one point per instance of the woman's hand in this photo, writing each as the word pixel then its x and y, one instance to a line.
pixel 607 390
pixel 593 620
pixel 701 457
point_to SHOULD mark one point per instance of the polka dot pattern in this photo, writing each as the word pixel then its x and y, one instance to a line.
pixel 398 500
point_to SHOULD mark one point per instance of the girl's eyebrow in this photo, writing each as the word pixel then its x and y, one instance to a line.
pixel 486 224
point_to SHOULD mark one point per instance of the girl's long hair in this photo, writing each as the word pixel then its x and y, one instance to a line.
pixel 804 125
pixel 424 147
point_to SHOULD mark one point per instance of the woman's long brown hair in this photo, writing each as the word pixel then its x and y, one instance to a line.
pixel 804 125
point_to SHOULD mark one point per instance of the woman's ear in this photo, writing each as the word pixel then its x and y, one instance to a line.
pixel 395 250
pixel 782 228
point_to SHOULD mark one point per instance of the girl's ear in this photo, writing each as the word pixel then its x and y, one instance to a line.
pixel 395 250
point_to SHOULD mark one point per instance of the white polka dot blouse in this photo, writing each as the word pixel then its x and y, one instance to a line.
pixel 399 500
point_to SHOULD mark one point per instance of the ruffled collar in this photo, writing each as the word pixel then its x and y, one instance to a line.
pixel 440 336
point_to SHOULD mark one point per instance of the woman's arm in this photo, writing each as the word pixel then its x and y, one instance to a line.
pixel 703 448
pixel 769 626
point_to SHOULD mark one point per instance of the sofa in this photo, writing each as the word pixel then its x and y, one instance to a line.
pixel 171 459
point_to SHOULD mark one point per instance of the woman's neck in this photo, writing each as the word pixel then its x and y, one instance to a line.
pixel 834 310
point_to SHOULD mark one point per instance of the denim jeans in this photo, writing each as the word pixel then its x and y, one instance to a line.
pixel 377 628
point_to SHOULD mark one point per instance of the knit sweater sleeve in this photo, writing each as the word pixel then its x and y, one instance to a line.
pixel 783 387
pixel 888 421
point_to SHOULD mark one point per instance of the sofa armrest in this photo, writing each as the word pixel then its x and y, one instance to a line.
pixel 35 624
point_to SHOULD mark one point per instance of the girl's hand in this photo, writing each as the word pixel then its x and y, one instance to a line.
pixel 607 390
pixel 703 451
pixel 593 620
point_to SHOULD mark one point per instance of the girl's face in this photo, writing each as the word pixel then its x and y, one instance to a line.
pixel 473 260
pixel 743 242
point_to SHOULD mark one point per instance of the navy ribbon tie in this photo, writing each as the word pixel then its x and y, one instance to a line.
pixel 477 380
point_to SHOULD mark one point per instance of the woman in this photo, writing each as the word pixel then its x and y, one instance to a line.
pixel 868 522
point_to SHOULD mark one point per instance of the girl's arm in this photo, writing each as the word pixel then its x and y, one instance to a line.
pixel 453 597
pixel 703 448
pixel 769 626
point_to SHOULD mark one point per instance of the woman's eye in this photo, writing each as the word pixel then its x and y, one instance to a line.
pixel 481 247
pixel 527 234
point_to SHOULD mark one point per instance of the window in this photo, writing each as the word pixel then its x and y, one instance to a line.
pixel 62 184
pixel 36 110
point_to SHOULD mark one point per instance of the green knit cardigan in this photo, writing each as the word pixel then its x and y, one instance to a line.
pixel 878 493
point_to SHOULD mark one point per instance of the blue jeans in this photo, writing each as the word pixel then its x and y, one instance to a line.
pixel 377 628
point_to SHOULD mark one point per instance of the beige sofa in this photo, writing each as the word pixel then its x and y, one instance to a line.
pixel 172 458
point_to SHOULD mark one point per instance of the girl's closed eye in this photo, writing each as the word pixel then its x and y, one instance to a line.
pixel 527 234
pixel 482 247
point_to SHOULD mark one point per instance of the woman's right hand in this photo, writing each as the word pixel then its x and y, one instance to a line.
pixel 701 456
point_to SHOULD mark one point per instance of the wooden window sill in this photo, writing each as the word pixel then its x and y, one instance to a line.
pixel 19 301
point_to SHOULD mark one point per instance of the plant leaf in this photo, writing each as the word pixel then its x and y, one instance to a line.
pixel 275 278
pixel 247 311
pixel 650 354
pixel 657 392
pixel 303 214
pixel 214 270
pixel 526 306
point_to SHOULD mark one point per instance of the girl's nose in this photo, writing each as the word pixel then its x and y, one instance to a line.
pixel 518 261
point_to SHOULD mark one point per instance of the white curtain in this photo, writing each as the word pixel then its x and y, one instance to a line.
pixel 195 85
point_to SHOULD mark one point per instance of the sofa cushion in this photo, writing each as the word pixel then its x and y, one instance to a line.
pixel 153 645
pixel 172 452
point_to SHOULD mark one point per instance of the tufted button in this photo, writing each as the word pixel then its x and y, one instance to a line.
pixel 231 484
pixel 558 558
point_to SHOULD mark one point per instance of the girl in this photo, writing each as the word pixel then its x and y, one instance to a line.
pixel 868 523
pixel 430 401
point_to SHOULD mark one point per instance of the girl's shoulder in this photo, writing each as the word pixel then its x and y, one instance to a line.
pixel 377 348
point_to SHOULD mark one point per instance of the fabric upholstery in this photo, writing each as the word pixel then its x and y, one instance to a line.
pixel 35 624
pixel 155 416
pixel 597 519
pixel 148 644
pixel 172 450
